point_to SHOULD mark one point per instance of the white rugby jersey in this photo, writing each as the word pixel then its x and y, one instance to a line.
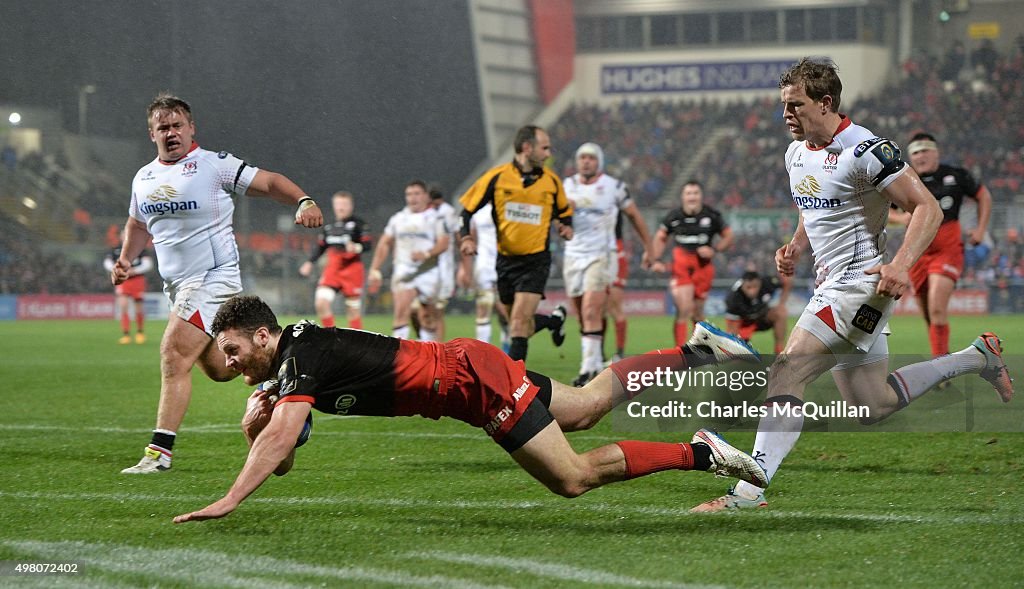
pixel 838 191
pixel 414 232
pixel 595 209
pixel 187 207
pixel 486 237
pixel 446 261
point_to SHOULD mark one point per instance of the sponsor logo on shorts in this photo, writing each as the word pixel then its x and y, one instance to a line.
pixel 345 403
pixel 867 318
pixel 495 424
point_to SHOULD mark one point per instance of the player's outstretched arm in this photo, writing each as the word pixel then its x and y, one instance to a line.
pixel 280 188
pixel 272 447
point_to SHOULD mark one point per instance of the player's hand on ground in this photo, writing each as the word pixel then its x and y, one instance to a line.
pixel 309 215
pixel 467 246
pixel 706 252
pixel 306 268
pixel 894 281
pixel 121 272
pixel 211 511
pixel 786 258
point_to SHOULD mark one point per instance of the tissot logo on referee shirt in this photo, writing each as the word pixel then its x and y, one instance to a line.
pixel 519 212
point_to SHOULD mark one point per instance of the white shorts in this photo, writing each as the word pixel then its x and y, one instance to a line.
pixel 589 274
pixel 485 275
pixel 849 319
pixel 427 283
pixel 197 299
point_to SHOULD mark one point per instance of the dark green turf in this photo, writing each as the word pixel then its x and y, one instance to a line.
pixel 409 501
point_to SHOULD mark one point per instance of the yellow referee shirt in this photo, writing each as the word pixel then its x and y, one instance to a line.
pixel 524 205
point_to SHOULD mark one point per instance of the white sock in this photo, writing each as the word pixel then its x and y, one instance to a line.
pixel 483 331
pixel 777 433
pixel 428 335
pixel 402 331
pixel 589 346
pixel 910 382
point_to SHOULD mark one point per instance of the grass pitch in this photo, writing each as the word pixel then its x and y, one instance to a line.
pixel 412 502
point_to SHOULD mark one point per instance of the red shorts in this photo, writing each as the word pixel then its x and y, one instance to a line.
pixel 945 256
pixel 623 270
pixel 746 328
pixel 689 268
pixel 347 279
pixel 487 389
pixel 134 287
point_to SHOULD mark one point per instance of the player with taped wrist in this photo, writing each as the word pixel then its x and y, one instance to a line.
pixel 842 180
pixel 344 241
pixel 349 372
pixel 183 201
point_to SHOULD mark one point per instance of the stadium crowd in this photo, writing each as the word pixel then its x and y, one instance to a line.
pixel 649 144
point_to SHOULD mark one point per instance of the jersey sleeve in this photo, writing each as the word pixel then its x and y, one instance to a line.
pixel 133 207
pixel 481 192
pixel 622 197
pixel 295 374
pixel 362 235
pixel 880 159
pixel 563 208
pixel 391 229
pixel 719 224
pixel 235 175
pixel 666 223
pixel 969 184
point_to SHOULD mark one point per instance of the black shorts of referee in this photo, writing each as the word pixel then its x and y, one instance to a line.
pixel 527 273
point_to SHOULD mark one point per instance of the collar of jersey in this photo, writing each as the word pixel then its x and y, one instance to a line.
pixel 836 145
pixel 194 147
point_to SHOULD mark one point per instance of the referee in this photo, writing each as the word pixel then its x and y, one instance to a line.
pixel 527 198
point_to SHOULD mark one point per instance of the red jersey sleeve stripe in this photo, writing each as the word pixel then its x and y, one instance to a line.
pixel 295 398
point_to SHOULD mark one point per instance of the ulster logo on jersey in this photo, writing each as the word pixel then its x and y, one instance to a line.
pixel 189 169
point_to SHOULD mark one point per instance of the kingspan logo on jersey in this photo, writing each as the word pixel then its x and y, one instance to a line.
pixel 810 188
pixel 162 202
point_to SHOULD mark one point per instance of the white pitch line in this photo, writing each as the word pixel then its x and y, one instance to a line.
pixel 561 505
pixel 222 428
pixel 203 568
pixel 561 572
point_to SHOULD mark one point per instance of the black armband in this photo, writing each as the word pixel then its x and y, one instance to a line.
pixel 466 217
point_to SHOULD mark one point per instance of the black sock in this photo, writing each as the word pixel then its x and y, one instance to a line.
pixel 701 456
pixel 544 322
pixel 517 348
pixel 165 441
